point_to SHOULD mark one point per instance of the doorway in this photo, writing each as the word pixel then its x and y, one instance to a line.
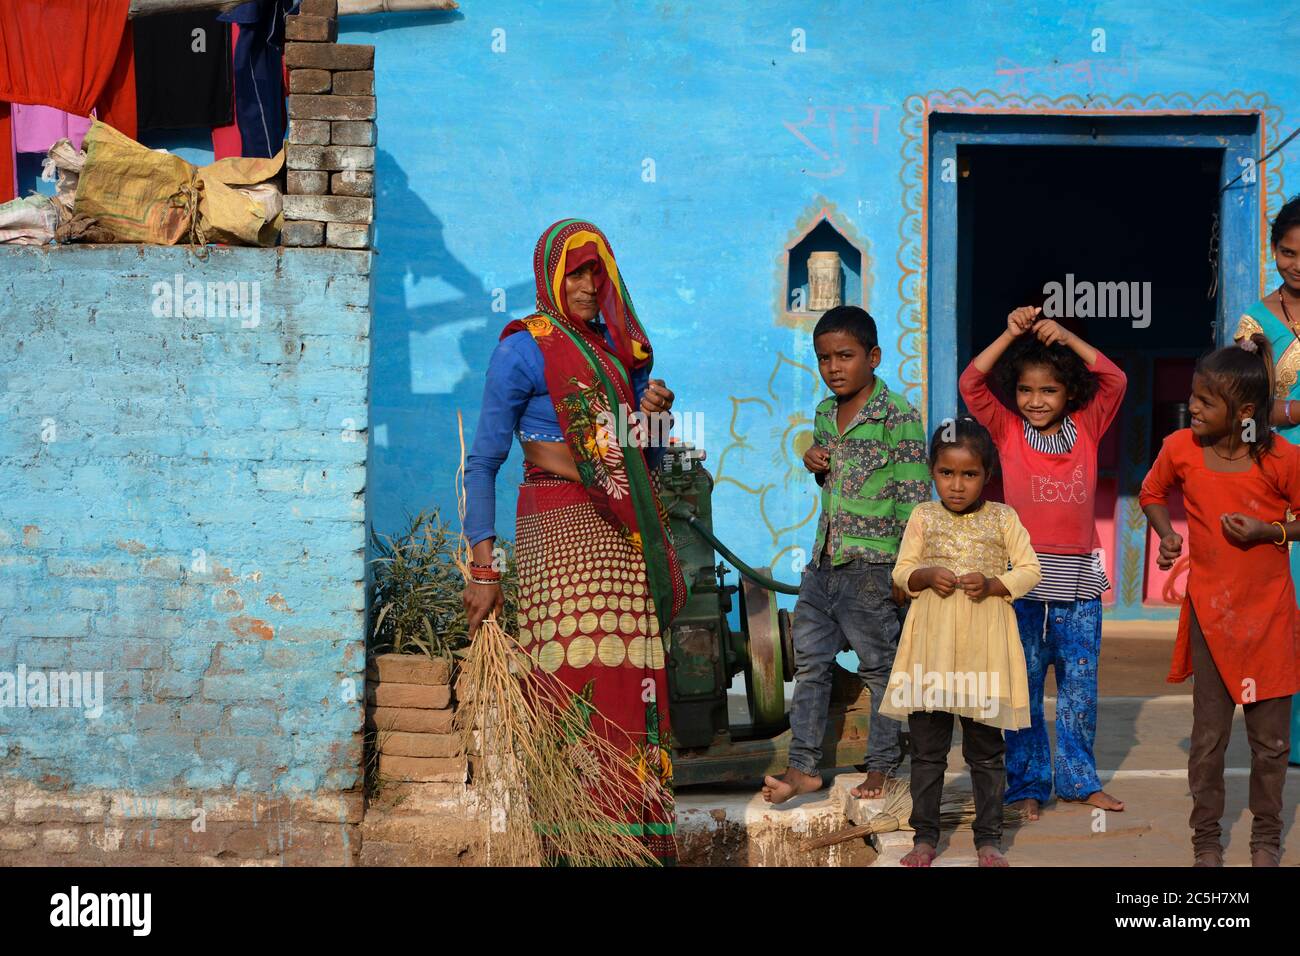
pixel 1029 216
pixel 1036 199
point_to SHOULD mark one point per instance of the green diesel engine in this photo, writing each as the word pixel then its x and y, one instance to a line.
pixel 706 654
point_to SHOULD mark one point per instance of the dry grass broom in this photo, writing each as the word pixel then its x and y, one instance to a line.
pixel 956 810
pixel 545 782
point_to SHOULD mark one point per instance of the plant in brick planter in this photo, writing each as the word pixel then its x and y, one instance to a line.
pixel 419 628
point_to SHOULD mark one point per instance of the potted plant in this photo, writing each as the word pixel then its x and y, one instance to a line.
pixel 419 628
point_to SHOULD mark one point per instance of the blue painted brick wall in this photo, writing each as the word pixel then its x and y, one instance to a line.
pixel 183 510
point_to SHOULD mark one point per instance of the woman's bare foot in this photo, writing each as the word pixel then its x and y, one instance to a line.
pixel 872 787
pixel 1029 807
pixel 922 854
pixel 789 784
pixel 1100 798
pixel 992 856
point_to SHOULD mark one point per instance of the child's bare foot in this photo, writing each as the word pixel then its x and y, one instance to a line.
pixel 1029 807
pixel 922 854
pixel 789 784
pixel 992 856
pixel 1100 798
pixel 872 787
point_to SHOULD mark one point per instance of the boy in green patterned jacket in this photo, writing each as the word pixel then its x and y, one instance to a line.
pixel 869 458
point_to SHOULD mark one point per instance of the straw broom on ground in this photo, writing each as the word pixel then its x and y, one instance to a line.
pixel 957 810
pixel 545 781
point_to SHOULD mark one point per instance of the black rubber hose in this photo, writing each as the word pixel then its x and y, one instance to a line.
pixel 760 579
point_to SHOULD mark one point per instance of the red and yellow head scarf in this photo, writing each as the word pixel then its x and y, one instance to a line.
pixel 569 245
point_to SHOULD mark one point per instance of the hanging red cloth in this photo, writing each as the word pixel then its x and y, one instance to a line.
pixel 74 55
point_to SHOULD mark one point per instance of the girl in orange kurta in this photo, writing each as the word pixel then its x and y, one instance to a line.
pixel 1237 628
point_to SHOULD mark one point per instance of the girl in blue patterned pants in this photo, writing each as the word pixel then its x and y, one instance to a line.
pixel 1048 397
pixel 1065 636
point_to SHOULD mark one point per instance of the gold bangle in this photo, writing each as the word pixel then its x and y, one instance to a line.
pixel 1282 543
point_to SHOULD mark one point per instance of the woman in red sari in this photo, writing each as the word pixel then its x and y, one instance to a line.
pixel 599 580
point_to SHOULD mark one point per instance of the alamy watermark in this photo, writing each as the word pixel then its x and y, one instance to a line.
pixel 82 689
pixel 1098 300
pixel 652 429
pixel 208 300
pixel 945 690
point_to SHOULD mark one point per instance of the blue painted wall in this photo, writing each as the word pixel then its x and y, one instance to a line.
pixel 480 150
pixel 183 515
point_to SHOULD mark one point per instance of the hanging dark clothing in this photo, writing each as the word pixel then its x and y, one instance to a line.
pixel 259 74
pixel 183 71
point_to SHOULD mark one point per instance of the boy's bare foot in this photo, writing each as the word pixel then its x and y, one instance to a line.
pixel 992 856
pixel 1100 798
pixel 789 784
pixel 922 854
pixel 1029 808
pixel 872 787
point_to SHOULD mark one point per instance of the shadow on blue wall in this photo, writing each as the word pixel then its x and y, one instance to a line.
pixel 419 373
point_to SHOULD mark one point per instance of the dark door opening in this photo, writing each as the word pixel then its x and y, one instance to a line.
pixel 1029 215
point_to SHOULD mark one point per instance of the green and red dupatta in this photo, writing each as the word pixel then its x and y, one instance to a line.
pixel 586 378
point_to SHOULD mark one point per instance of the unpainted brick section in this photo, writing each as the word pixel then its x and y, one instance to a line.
pixel 423 769
pixel 309 132
pixel 350 133
pixel 428 696
pixel 331 157
pixel 409 669
pixel 329 56
pixel 348 235
pixel 309 106
pixel 307 182
pixel 197 829
pixel 300 26
pixel 303 233
pixel 355 83
pixel 352 182
pixel 328 208
pixel 309 81
pixel 412 719
pixel 401 744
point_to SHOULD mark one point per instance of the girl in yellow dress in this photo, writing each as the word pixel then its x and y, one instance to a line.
pixel 960 650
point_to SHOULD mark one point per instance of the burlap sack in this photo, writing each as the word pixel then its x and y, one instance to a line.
pixel 144 196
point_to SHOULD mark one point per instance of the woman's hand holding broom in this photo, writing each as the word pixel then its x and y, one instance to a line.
pixel 482 597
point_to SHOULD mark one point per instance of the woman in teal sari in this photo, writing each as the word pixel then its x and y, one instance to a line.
pixel 1277 315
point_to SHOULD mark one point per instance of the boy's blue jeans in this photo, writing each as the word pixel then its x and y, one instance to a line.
pixel 849 604
pixel 1066 636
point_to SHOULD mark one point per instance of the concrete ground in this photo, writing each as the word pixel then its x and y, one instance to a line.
pixel 1142 737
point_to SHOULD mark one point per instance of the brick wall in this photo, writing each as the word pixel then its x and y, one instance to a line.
pixel 183 516
pixel 331 150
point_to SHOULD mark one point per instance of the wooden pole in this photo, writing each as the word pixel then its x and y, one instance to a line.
pixel 348 7
pixel 145 8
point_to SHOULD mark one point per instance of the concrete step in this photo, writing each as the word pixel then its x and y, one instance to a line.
pixel 736 827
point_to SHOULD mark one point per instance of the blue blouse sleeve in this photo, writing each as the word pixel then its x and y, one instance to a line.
pixel 511 382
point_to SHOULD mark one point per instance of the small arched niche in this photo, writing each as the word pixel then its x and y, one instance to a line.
pixel 821 229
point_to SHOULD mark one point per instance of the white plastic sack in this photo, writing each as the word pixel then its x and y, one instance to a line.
pixel 29 221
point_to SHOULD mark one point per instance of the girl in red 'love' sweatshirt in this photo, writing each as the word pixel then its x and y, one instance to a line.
pixel 1065 394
